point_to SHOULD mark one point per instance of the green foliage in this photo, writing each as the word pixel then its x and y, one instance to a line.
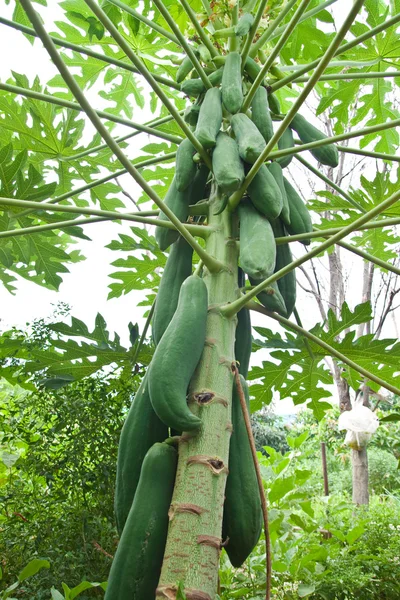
pixel 269 430
pixel 52 357
pixel 59 450
pixel 322 548
pixel 299 370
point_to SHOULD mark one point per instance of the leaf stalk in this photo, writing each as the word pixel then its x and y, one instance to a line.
pixel 327 347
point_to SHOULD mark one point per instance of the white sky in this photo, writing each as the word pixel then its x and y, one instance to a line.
pixel 85 289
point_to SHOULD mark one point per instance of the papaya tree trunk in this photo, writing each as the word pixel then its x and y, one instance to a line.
pixel 194 538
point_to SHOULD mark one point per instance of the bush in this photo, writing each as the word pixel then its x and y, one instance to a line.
pixel 57 497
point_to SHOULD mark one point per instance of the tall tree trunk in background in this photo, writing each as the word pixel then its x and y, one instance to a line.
pixel 360 476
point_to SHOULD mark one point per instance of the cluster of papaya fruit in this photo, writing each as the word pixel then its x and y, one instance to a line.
pixel 271 208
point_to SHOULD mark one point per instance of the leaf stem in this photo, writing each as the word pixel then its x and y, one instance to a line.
pixel 318 233
pixel 253 31
pixel 267 34
pixel 144 332
pixel 154 123
pixel 358 40
pixel 199 230
pixel 329 182
pixel 307 15
pixel 329 349
pixel 306 342
pixel 230 310
pixel 335 138
pixel 322 64
pixel 363 152
pixel 150 23
pixel 65 224
pixel 370 257
pixel 14 89
pixel 200 31
pixel 209 261
pixel 182 41
pixel 93 184
pixel 351 76
pixel 88 52
pixel 100 14
pixel 274 53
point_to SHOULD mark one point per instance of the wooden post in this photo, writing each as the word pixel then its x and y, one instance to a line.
pixel 324 468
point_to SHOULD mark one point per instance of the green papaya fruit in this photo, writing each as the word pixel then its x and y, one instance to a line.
pixel 265 194
pixel 185 168
pixel 300 220
pixel 192 114
pixel 244 24
pixel 193 87
pixel 327 155
pixel 137 563
pixel 210 118
pixel 276 171
pixel 257 252
pixel 227 166
pixel 271 297
pixel 216 77
pixel 231 87
pixel 285 141
pixel 177 268
pixel 142 429
pixel 178 202
pixel 274 105
pixel 250 141
pixel 242 520
pixel 185 68
pixel 260 114
pixel 177 355
pixel 243 338
pixel 286 284
pixel 252 68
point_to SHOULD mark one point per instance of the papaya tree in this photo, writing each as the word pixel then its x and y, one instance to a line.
pixel 227 84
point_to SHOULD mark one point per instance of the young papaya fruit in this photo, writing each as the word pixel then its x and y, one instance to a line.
pixel 244 24
pixel 193 87
pixel 243 338
pixel 231 86
pixel 178 202
pixel 227 165
pixel 137 563
pixel 177 268
pixel 177 355
pixel 142 429
pixel 285 141
pixel 300 220
pixel 276 171
pixel 260 114
pixel 192 114
pixel 251 68
pixel 210 118
pixel 265 194
pixel 250 141
pixel 215 78
pixel 271 297
pixel 185 168
pixel 257 252
pixel 327 155
pixel 242 520
pixel 287 283
pixel 185 68
pixel 274 105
